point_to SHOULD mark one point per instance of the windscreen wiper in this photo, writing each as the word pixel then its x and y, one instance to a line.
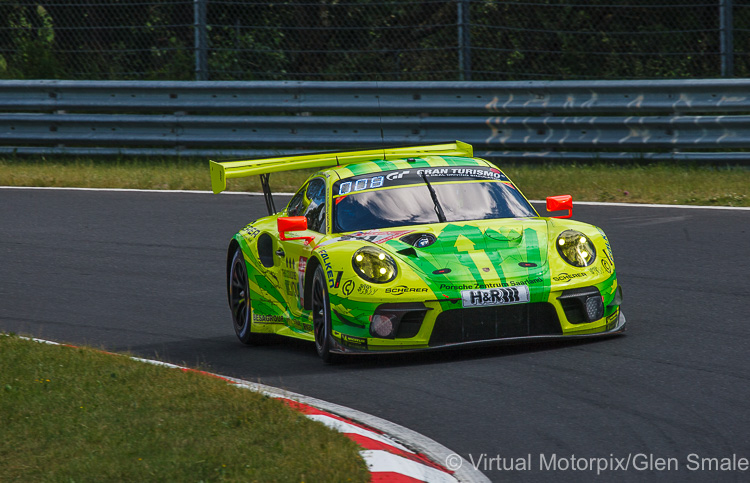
pixel 438 208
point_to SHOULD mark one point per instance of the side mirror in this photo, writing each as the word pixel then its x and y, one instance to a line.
pixel 559 203
pixel 293 223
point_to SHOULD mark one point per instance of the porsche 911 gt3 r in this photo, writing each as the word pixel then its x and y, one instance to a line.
pixel 410 249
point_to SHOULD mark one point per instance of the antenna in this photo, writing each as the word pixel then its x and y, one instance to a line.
pixel 380 117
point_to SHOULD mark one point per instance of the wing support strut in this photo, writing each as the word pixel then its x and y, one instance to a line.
pixel 267 195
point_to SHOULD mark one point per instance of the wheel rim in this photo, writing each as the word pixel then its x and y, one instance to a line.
pixel 318 310
pixel 239 302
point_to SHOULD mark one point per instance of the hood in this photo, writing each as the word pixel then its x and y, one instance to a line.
pixel 479 251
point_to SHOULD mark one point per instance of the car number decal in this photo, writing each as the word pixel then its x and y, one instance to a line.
pixel 495 296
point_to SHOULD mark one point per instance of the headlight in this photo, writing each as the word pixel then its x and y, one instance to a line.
pixel 576 248
pixel 374 265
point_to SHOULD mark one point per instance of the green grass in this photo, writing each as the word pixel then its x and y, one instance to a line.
pixel 657 183
pixel 159 174
pixel 75 414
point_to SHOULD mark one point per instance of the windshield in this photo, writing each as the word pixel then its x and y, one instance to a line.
pixel 413 205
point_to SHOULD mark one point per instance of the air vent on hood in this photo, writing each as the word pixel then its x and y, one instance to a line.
pixel 419 240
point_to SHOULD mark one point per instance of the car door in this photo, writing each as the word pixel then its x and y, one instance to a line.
pixel 309 201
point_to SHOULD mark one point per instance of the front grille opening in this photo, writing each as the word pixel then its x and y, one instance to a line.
pixel 410 324
pixel 574 304
pixel 574 311
pixel 501 322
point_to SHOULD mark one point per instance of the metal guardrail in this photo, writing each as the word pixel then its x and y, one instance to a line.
pixel 612 120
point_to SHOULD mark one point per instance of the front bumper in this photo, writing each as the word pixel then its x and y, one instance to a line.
pixel 618 327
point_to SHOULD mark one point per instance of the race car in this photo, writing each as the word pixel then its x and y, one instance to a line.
pixel 413 248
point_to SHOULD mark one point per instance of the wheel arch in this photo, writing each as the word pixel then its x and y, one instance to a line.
pixel 312 264
pixel 234 245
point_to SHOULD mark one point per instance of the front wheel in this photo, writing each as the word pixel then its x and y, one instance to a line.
pixel 321 311
pixel 239 299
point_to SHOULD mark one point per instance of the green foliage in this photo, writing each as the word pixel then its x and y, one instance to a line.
pixel 32 46
pixel 368 39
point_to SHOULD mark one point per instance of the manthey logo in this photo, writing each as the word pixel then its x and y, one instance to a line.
pixel 402 289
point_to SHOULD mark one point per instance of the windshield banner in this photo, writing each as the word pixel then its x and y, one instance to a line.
pixel 403 177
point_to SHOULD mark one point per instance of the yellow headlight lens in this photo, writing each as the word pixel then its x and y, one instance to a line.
pixel 374 265
pixel 575 248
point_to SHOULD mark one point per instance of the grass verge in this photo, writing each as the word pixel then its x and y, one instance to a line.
pixel 653 183
pixel 76 414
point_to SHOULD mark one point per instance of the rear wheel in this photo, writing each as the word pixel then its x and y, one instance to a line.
pixel 321 311
pixel 239 299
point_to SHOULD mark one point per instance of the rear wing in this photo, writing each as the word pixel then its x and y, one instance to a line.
pixel 223 170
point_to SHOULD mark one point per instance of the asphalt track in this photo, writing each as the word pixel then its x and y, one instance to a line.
pixel 144 272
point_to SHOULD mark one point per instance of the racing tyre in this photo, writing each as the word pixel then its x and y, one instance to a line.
pixel 321 310
pixel 239 299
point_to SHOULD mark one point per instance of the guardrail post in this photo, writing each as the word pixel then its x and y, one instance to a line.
pixel 727 38
pixel 201 39
pixel 464 40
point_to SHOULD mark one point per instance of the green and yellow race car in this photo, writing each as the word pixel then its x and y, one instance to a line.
pixel 413 248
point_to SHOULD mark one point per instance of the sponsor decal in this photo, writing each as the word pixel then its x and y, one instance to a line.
pixel 299 325
pixel 489 285
pixel 373 236
pixel 267 319
pixel 353 341
pixel 291 288
pixel 606 263
pixel 301 265
pixel 477 172
pixel 526 282
pixel 249 232
pixel 396 175
pixel 566 277
pixel 404 177
pixel 606 243
pixel 327 268
pixel 444 286
pixel 365 289
pixel 379 237
pixel 402 289
pixel 348 287
pixel 289 275
pixel 474 286
pixel 495 296
pixel 488 173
